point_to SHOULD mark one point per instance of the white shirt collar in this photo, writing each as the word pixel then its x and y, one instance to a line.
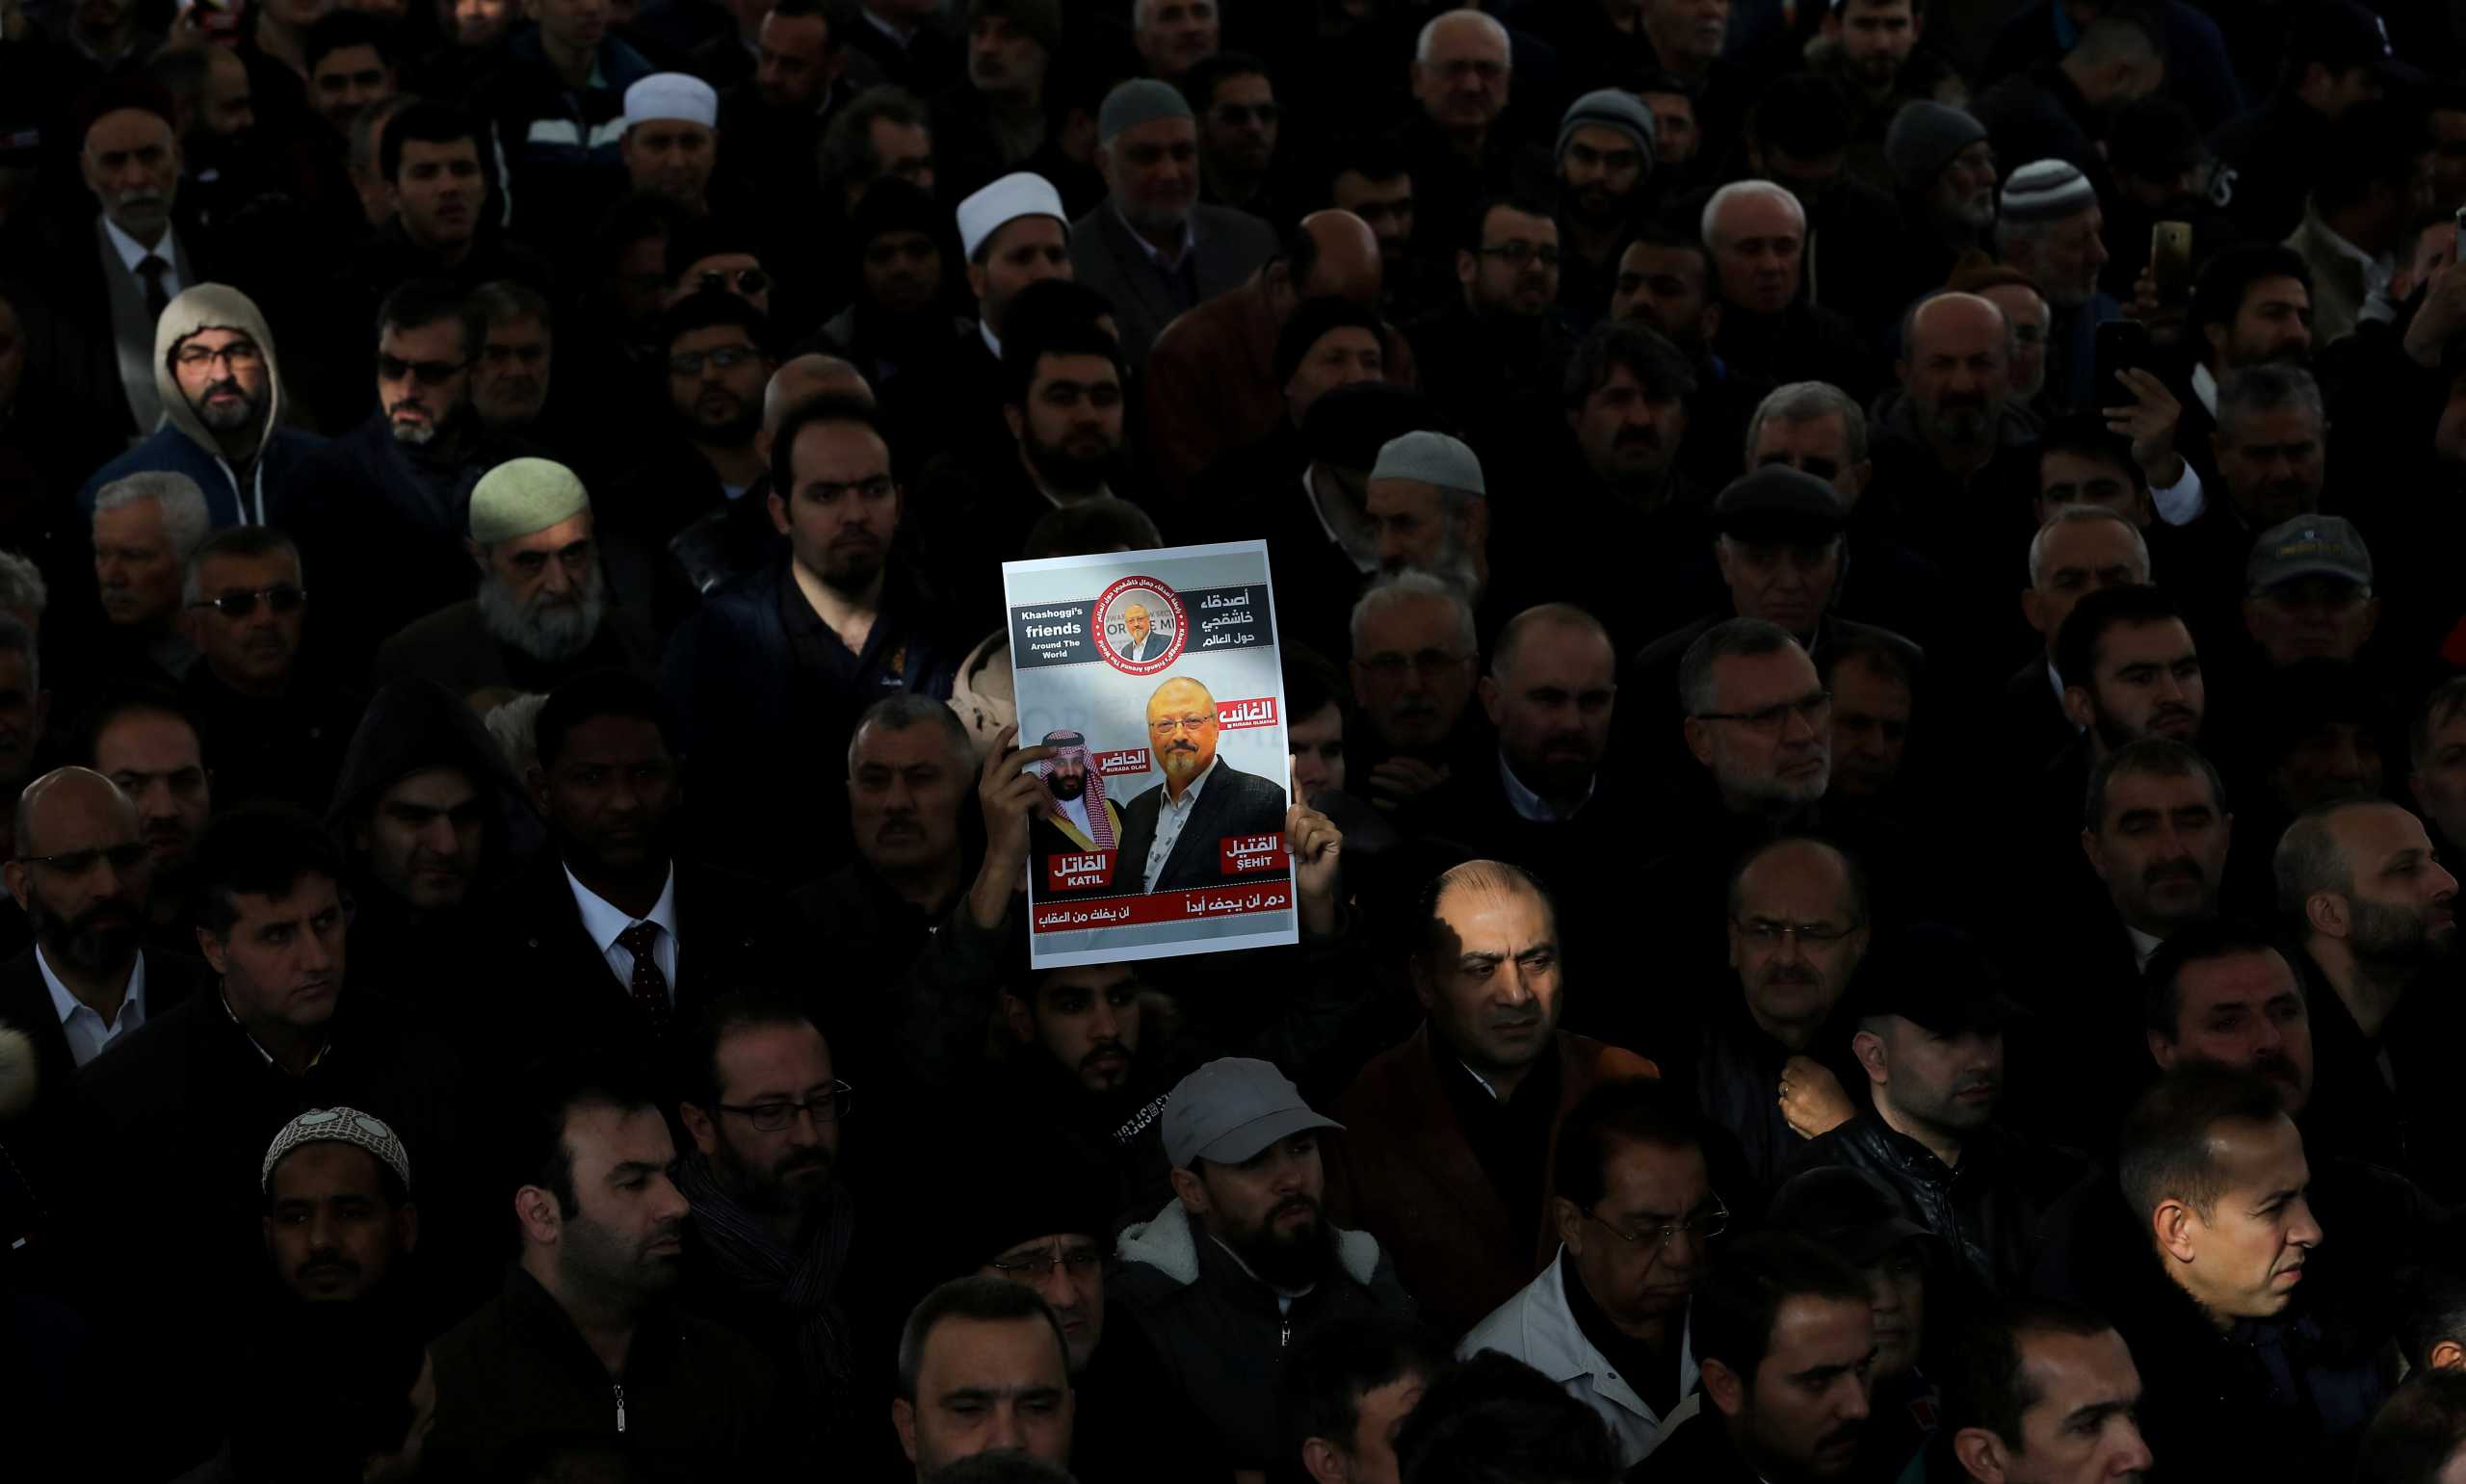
pixel 133 253
pixel 1533 806
pixel 2143 947
pixel 68 1004
pixel 605 922
pixel 2376 270
pixel 992 341
pixel 1190 243
pixel 2205 387
pixel 1189 795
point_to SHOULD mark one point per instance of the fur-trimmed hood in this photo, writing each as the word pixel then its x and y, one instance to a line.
pixel 1169 1244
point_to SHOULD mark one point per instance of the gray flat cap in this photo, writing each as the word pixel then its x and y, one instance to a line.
pixel 1432 458
pixel 1141 100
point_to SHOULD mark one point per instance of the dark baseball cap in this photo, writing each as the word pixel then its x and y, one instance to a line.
pixel 2341 33
pixel 1845 1210
pixel 1937 978
pixel 1777 502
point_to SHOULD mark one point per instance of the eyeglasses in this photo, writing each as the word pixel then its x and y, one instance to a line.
pixel 729 357
pixel 393 368
pixel 1811 709
pixel 1522 254
pixel 235 356
pixel 240 603
pixel 1764 932
pixel 1391 665
pixel 1703 1227
pixel 773 1115
pixel 1078 1260
pixel 749 281
pixel 1167 726
pixel 77 863
pixel 881 486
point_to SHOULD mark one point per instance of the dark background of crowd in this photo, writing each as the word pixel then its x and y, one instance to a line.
pixel 1872 596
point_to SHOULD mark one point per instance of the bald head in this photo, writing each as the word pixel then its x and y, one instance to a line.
pixel 1960 320
pixel 1345 263
pixel 1956 354
pixel 1798 867
pixel 803 379
pixel 66 796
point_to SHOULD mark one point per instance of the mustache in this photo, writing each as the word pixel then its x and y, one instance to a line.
pixel 1181 746
pixel 2185 870
pixel 1642 437
pixel 1104 1049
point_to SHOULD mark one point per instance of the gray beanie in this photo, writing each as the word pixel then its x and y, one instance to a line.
pixel 1923 140
pixel 1432 458
pixel 1610 109
pixel 1141 100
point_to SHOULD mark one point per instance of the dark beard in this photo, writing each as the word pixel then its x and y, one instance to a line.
pixel 1066 473
pixel 1291 1263
pixel 84 944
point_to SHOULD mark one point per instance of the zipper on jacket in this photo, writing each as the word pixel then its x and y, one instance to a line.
pixel 620 1389
pixel 1286 1338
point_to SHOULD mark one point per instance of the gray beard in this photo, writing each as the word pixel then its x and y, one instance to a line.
pixel 552 636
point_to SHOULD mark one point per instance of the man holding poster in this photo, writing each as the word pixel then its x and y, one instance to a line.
pixel 1174 833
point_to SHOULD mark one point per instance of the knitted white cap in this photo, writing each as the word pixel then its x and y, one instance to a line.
pixel 1002 202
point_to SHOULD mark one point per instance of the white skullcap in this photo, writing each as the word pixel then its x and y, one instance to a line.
pixel 336 1125
pixel 672 95
pixel 1430 459
pixel 522 496
pixel 1002 202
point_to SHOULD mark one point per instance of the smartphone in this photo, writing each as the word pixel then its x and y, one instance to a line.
pixel 2122 345
pixel 2171 260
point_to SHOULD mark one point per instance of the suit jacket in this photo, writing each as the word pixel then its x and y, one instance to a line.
pixel 1230 246
pixel 25 1004
pixel 1232 803
pixel 1412 1179
pixel 558 990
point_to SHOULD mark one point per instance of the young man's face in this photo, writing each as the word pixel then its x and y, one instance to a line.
pixel 984 1384
pixel 335 1233
pixel 1808 1399
pixel 1086 1019
pixel 424 838
pixel 2247 1011
pixel 346 80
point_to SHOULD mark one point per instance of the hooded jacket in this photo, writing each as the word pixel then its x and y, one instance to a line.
pixel 1222 1333
pixel 182 445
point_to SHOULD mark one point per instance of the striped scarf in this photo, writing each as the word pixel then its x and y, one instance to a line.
pixel 806 1283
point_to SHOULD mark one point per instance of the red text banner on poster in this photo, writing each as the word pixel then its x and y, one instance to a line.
pixel 1249 855
pixel 1231 899
pixel 1111 765
pixel 1233 716
pixel 1079 872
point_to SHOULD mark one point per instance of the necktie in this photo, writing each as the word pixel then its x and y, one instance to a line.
pixel 649 986
pixel 151 270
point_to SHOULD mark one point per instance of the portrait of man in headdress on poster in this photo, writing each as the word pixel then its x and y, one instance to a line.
pixel 1082 822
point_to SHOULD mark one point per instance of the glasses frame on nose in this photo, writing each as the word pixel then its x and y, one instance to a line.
pixel 771 1117
pixel 1519 254
pixel 726 357
pixel 1704 1228
pixel 1812 936
pixel 1042 1264
pixel 239 603
pixel 1815 709
pixel 233 356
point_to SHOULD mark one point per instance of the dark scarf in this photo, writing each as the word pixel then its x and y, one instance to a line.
pixel 805 1283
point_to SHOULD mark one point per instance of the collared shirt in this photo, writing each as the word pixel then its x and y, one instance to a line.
pixel 223 999
pixel 89 1034
pixel 2205 387
pixel 1156 257
pixel 1170 817
pixel 605 922
pixel 1532 806
pixel 2376 271
pixel 132 253
pixel 992 341
pixel 2181 502
pixel 2143 947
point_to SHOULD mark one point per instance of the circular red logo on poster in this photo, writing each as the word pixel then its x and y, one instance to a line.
pixel 1141 627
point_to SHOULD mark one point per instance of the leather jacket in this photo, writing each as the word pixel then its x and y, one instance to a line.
pixel 1991 1210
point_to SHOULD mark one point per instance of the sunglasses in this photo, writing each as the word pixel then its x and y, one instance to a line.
pixel 280 598
pixel 393 368
pixel 748 281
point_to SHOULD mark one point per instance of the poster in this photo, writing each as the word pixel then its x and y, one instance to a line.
pixel 1156 673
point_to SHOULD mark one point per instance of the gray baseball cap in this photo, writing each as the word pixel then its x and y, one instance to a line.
pixel 1231 1108
pixel 2308 546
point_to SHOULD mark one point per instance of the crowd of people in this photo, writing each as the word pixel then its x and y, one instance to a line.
pixel 1872 597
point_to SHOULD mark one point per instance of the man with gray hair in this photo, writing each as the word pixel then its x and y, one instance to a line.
pixel 1756 234
pixel 1815 427
pixel 2374 912
pixel 1430 510
pixel 1461 75
pixel 2080 550
pixel 2271 446
pixel 1757 719
pixel 145 528
pixel 1174 36
pixel 544 611
pixel 1151 247
pixel 2052 229
pixel 1415 656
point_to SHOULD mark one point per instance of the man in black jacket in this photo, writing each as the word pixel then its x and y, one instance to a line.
pixel 1930 1038
pixel 1172 832
pixel 608 935
pixel 582 1340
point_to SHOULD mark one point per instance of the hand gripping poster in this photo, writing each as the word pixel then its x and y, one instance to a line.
pixel 1155 676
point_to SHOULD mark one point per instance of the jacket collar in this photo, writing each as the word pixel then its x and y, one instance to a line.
pixel 1169 1243
pixel 1556 1346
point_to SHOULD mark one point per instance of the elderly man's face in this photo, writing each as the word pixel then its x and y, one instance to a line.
pixel 252 652
pixel 905 791
pixel 1769 740
pixel 2273 461
pixel 2030 319
pixel 83 875
pixel 1415 531
pixel 1134 622
pixel 1004 60
pixel 1786 583
pixel 2314 617
pixel 1964 194
pixel 2064 258
pixel 1688 34
pixel 1958 372
pixel 1757 243
pixel 132 164
pixel 1494 988
pixel 1818 446
pixel 1463 84
pixel 2079 558
pixel 1796 938
pixel 1182 727
pixel 1152 170
pixel 135 567
pixel 1413 673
